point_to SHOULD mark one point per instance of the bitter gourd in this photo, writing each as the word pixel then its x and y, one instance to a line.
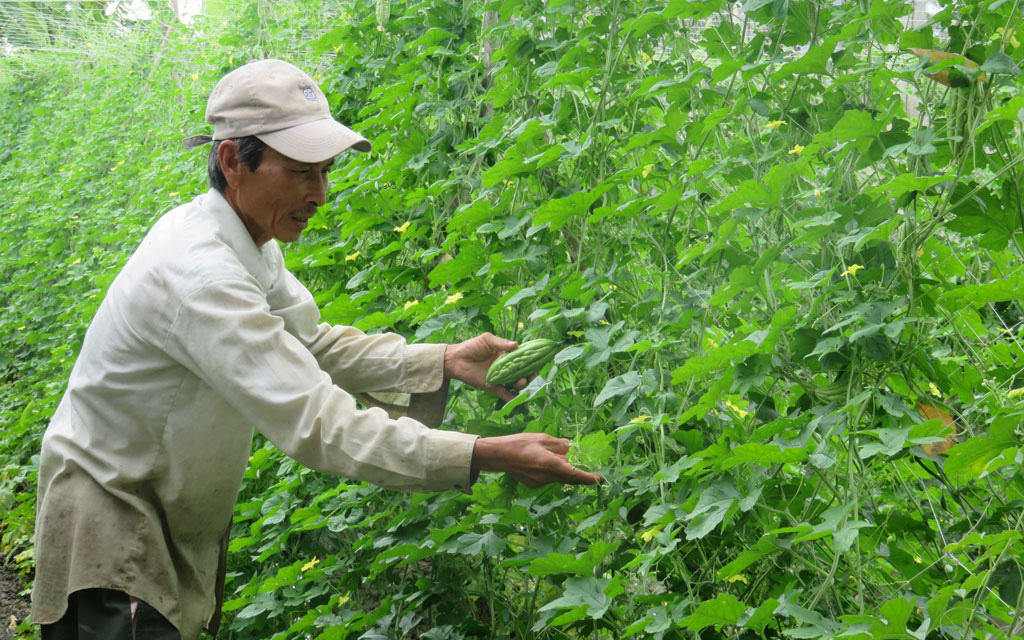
pixel 527 359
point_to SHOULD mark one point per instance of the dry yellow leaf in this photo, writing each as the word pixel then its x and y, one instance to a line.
pixel 954 79
pixel 929 412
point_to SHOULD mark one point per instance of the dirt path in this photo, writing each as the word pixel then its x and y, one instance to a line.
pixel 12 604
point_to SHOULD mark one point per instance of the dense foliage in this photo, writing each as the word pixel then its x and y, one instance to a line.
pixel 779 240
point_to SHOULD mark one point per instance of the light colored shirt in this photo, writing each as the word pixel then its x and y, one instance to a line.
pixel 202 337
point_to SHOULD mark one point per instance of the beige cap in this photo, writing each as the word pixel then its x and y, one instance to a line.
pixel 282 106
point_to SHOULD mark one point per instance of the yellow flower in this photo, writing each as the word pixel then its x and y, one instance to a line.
pixel 452 299
pixel 851 270
pixel 575 334
pixel 345 598
pixel 796 150
pixel 195 76
pixel 411 303
pixel 602 321
pixel 1008 36
pixel 640 418
pixel 775 124
pixel 650 533
pixel 740 412
pixel 739 577
pixel 1014 393
pixel 77 261
pixel 309 565
pixel 932 389
pixel 352 256
pixel 520 325
pixel 817 194
pixel 920 253
pixel 647 170
pixel 403 228
pixel 172 194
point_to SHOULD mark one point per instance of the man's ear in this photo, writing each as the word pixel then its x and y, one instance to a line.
pixel 230 165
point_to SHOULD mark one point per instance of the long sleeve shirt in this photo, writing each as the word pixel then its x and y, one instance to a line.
pixel 201 338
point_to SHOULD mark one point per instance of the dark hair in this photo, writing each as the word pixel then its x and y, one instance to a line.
pixel 250 152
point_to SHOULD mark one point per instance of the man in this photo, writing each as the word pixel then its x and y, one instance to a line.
pixel 205 335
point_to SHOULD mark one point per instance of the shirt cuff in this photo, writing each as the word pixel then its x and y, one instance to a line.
pixel 450 455
pixel 424 367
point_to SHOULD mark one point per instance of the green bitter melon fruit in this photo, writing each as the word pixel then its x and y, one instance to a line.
pixel 527 359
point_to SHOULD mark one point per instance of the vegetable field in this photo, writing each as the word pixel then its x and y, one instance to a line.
pixel 779 243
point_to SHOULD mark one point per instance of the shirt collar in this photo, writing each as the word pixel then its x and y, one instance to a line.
pixel 232 231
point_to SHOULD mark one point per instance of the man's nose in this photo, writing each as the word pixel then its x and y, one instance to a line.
pixel 317 193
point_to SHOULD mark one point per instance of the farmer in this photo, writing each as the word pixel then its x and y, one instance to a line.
pixel 205 335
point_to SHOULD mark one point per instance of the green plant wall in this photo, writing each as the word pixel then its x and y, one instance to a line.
pixel 784 262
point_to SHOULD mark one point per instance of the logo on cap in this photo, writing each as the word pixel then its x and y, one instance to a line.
pixel 309 93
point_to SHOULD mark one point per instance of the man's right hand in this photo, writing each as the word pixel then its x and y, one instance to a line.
pixel 535 459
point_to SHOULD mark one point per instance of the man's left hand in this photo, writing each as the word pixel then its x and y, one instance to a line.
pixel 468 361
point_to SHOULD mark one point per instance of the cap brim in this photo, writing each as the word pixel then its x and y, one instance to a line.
pixel 315 141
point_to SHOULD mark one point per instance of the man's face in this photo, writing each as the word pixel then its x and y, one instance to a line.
pixel 278 199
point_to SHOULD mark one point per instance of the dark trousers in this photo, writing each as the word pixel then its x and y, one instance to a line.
pixel 104 614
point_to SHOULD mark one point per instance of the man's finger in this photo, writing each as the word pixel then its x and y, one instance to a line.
pixel 559 446
pixel 579 476
pixel 494 341
pixel 502 392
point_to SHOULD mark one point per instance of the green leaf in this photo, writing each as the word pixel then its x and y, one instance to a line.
pixel 502 171
pixel 970 458
pixel 716 359
pixel 570 353
pixel 1012 110
pixel 762 454
pixel 467 261
pixel 581 564
pixel 815 61
pixel 585 595
pixel 878 347
pixel 1001 63
pixel 978 295
pixel 623 385
pixel 763 547
pixel 906 183
pixel 472 544
pixel 724 609
pixel 855 125
pixel 559 211
pixel 762 615
pixel 921 144
pixel 712 507
pixel 594 449
pixel 893 620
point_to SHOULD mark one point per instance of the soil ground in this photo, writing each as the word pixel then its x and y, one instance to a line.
pixel 12 603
